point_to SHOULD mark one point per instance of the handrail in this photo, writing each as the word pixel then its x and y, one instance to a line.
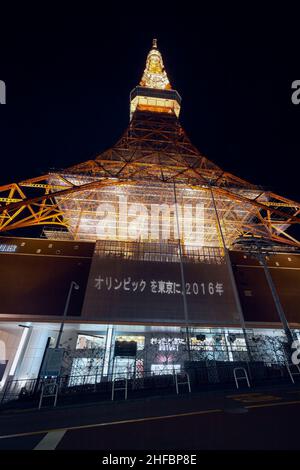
pixel 242 377
pixel 184 382
pixel 48 395
pixel 292 374
pixel 113 389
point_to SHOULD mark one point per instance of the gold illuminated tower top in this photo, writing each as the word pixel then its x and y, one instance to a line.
pixel 154 93
pixel 154 75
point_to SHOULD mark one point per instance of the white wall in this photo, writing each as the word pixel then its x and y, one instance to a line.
pixel 30 363
pixel 10 339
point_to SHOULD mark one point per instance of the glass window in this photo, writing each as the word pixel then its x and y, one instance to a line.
pixel 90 342
pixel 140 340
pixel 160 369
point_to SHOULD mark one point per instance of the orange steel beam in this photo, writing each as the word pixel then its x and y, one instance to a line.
pixel 108 181
pixel 42 213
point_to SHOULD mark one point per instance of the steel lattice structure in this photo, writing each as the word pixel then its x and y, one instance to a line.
pixel 152 160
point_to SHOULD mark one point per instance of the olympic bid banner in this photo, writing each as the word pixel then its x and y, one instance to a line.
pixel 148 291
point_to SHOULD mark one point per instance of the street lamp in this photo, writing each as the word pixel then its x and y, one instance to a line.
pixel 76 287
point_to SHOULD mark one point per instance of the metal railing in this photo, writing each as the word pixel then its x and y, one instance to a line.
pixel 24 389
pixel 201 375
pixel 152 251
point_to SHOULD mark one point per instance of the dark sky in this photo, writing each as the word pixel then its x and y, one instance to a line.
pixel 69 74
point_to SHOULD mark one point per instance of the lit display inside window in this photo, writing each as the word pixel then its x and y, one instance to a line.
pixel 159 369
pixel 85 371
pixel 140 340
pixel 90 342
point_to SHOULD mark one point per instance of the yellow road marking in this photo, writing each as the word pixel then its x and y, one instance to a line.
pixel 266 405
pixel 253 397
pixel 153 418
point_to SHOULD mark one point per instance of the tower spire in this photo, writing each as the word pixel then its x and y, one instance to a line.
pixel 154 75
pixel 154 92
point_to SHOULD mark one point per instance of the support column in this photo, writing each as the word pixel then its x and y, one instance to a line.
pixel 185 304
pixel 276 299
pixel 108 349
pixel 232 279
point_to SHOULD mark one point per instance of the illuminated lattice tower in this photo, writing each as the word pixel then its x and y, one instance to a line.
pixel 153 185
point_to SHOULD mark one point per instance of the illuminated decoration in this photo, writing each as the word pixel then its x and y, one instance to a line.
pixel 128 192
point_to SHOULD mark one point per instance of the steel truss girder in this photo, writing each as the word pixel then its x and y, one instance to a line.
pixel 44 210
pixel 153 148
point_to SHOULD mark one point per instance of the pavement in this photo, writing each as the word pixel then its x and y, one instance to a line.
pixel 260 419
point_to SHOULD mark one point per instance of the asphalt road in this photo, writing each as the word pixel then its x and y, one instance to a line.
pixel 261 420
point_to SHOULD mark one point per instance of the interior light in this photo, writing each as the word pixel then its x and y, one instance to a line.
pixel 19 350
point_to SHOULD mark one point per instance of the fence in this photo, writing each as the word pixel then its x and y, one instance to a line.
pixel 203 375
pixel 85 384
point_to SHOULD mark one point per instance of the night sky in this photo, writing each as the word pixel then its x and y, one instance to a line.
pixel 69 75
